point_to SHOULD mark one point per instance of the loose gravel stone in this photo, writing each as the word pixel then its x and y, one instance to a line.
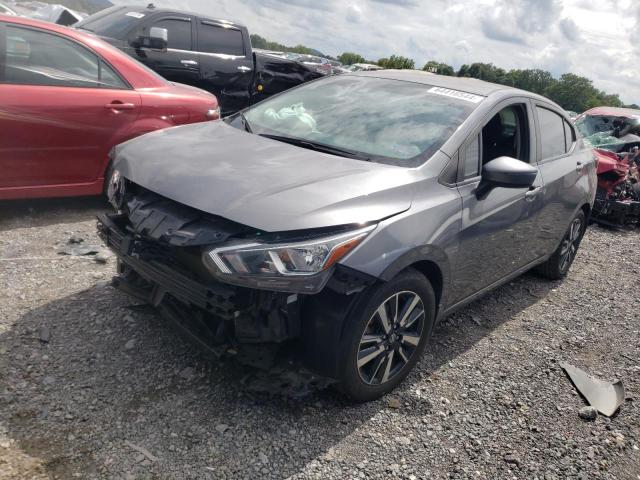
pixel 588 413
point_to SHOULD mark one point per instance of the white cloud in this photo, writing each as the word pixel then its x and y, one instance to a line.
pixel 594 39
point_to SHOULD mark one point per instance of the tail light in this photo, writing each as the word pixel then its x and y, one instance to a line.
pixel 213 114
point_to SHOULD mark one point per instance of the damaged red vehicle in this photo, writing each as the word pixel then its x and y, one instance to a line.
pixel 67 98
pixel 614 134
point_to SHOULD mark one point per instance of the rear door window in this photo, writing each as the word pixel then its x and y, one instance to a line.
pixel 216 38
pixel 178 32
pixel 552 133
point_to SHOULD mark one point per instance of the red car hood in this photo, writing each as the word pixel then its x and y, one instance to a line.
pixel 609 161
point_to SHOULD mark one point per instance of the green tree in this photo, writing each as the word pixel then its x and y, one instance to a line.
pixel 573 92
pixel 610 100
pixel 439 68
pixel 260 42
pixel 484 71
pixel 349 58
pixel 533 80
pixel 398 62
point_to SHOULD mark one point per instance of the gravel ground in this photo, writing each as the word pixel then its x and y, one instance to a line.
pixel 115 393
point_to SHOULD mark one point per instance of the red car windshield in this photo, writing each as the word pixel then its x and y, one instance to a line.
pixel 609 132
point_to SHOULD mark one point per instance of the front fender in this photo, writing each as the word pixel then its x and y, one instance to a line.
pixel 430 260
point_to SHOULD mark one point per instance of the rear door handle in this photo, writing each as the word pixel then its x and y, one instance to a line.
pixel 189 63
pixel 120 106
pixel 579 167
pixel 244 69
pixel 532 193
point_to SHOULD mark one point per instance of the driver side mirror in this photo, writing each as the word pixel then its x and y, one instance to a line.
pixel 156 40
pixel 505 172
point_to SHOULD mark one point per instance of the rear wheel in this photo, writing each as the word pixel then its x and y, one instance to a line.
pixel 558 265
pixel 384 338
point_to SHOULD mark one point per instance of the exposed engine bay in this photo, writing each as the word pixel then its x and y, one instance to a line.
pixel 615 137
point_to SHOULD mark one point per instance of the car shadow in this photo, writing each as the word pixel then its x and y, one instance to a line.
pixel 111 374
pixel 48 211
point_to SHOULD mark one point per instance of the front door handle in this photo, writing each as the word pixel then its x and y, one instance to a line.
pixel 244 69
pixel 532 193
pixel 189 63
pixel 119 106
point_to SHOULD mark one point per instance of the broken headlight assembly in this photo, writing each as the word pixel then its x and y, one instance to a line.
pixel 116 190
pixel 295 267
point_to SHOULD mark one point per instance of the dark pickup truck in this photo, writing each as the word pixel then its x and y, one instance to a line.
pixel 214 55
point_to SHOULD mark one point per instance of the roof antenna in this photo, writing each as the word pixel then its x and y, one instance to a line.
pixel 151 6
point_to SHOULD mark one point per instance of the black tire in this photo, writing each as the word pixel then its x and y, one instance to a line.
pixel 365 318
pixel 558 264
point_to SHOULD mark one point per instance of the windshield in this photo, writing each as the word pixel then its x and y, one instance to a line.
pixel 114 24
pixel 388 121
pixel 609 132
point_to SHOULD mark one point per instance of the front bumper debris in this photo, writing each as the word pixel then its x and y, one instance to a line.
pixel 217 299
pixel 615 212
pixel 212 314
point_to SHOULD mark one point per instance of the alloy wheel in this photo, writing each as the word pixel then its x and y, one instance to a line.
pixel 391 337
pixel 570 245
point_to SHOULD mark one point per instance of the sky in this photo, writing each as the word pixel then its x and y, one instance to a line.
pixel 599 39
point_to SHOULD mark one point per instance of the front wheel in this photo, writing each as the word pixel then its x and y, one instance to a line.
pixel 384 338
pixel 559 263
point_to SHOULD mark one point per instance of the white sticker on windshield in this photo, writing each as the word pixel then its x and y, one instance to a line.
pixel 447 92
pixel 134 14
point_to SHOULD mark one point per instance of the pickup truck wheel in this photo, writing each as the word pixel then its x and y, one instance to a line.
pixel 558 265
pixel 384 339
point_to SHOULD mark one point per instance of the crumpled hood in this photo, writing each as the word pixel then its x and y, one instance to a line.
pixel 262 183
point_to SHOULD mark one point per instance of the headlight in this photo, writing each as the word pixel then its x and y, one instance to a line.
pixel 284 266
pixel 115 190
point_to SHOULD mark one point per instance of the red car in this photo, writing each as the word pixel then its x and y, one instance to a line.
pixel 615 135
pixel 67 98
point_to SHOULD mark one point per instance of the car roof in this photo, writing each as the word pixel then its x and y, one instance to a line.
pixel 613 112
pixel 54 27
pixel 147 10
pixel 81 36
pixel 463 84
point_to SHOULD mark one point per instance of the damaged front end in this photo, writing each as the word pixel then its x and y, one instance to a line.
pixel 227 287
pixel 618 196
pixel 615 136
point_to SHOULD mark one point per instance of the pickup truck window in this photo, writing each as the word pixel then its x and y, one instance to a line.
pixel 178 32
pixel 115 24
pixel 218 39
